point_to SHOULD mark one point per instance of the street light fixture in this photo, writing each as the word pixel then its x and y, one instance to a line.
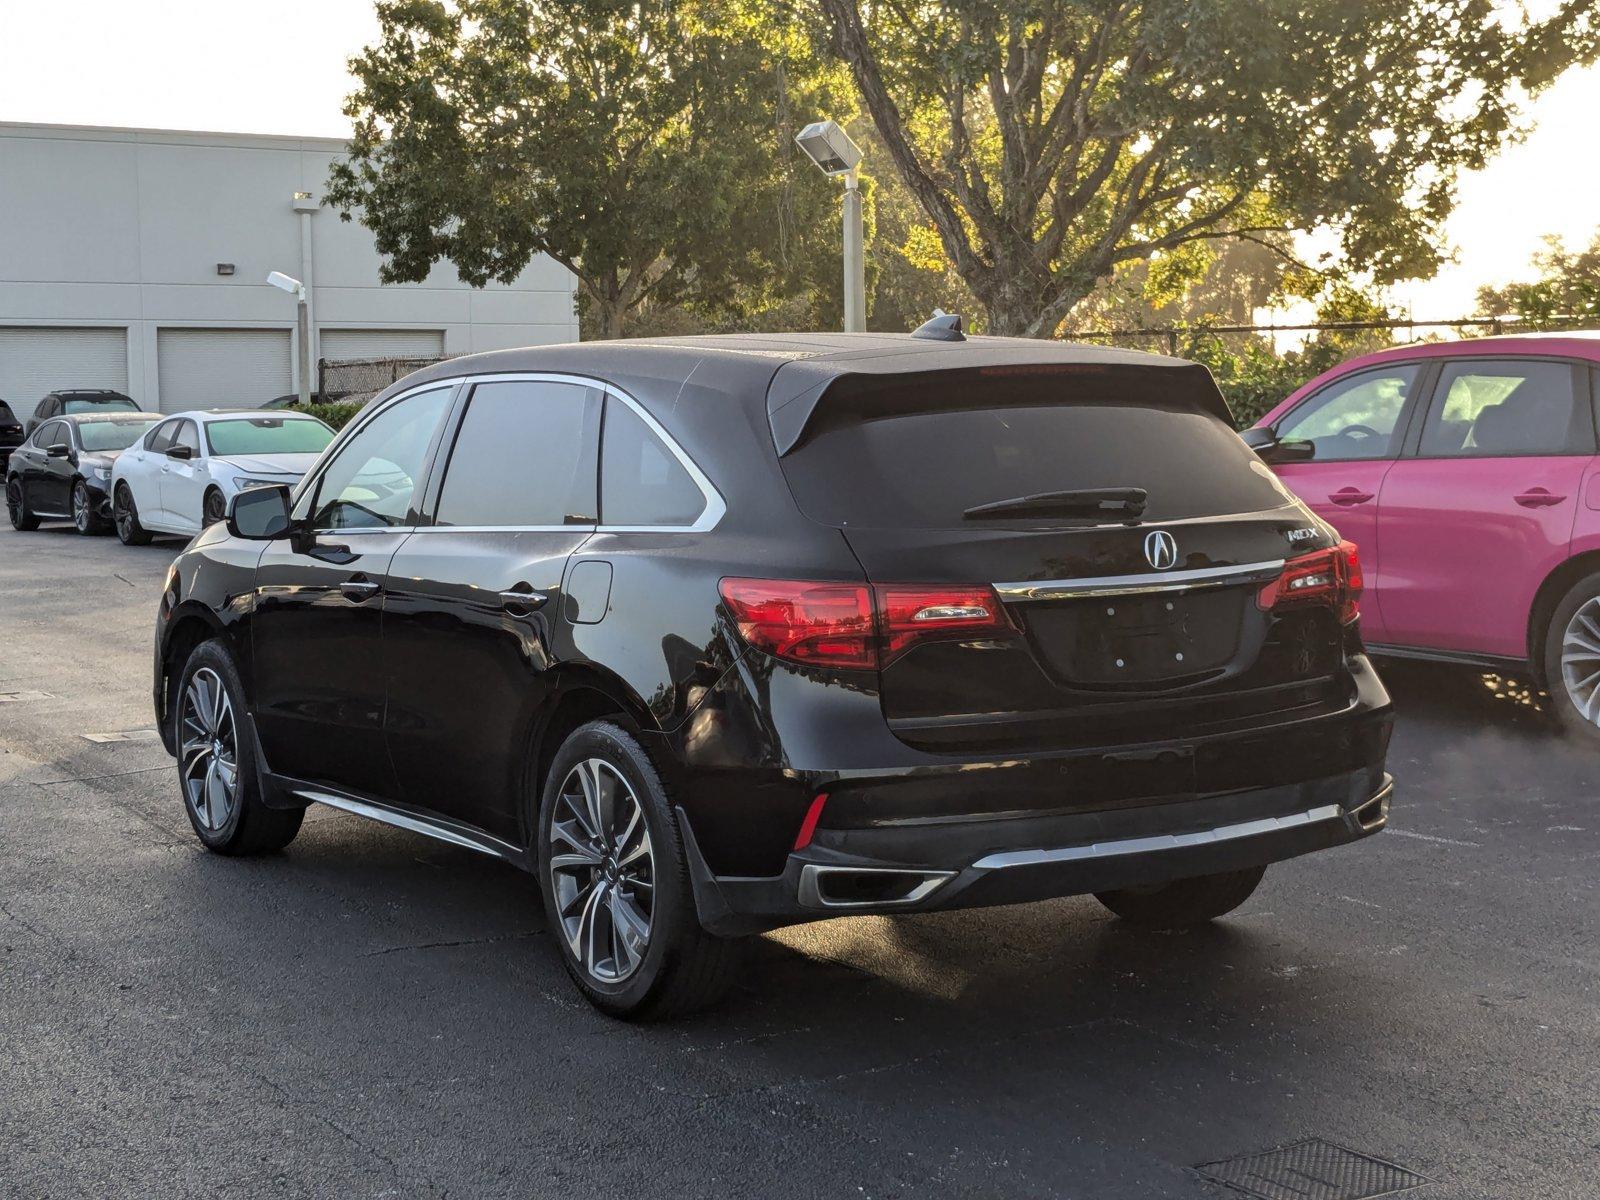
pixel 837 156
pixel 297 289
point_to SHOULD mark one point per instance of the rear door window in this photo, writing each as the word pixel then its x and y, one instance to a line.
pixel 1354 418
pixel 1487 409
pixel 522 457
pixel 642 483
pixel 918 451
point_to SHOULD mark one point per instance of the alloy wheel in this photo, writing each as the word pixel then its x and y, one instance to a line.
pixel 602 870
pixel 15 509
pixel 122 514
pixel 81 515
pixel 208 756
pixel 215 509
pixel 1580 660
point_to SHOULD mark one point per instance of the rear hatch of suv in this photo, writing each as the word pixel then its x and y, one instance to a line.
pixel 1073 556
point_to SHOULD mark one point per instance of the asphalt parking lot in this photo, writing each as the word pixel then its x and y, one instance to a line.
pixel 375 1014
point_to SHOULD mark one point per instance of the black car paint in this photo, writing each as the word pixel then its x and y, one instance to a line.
pixel 48 479
pixel 434 701
pixel 55 404
pixel 11 433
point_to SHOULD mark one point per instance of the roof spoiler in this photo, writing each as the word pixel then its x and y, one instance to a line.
pixel 797 389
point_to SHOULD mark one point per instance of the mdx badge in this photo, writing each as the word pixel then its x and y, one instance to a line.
pixel 1300 535
pixel 1161 549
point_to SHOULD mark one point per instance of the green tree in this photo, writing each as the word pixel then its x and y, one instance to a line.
pixel 647 146
pixel 1567 292
pixel 1051 141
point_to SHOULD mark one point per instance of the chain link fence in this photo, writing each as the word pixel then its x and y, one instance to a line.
pixel 357 380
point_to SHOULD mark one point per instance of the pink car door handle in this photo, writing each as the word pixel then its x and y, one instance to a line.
pixel 1349 495
pixel 1537 497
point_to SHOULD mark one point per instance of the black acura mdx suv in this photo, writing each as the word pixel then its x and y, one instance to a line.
pixel 717 634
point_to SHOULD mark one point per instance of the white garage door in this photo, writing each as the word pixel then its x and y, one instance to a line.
pixel 382 343
pixel 222 368
pixel 36 361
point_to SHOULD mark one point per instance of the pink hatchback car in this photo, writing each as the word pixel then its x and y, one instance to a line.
pixel 1466 473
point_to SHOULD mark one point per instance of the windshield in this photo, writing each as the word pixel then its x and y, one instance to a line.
pixel 112 435
pixel 268 435
pixel 107 404
pixel 920 453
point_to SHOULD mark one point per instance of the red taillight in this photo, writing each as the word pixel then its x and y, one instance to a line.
pixel 852 626
pixel 1328 577
pixel 819 624
pixel 908 615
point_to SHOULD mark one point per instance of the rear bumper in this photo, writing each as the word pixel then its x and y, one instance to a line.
pixel 1012 860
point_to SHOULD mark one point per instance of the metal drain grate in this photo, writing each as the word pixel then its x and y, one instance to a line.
pixel 1311 1170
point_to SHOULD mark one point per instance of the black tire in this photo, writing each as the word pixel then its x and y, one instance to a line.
pixel 1575 706
pixel 682 968
pixel 84 517
pixel 22 520
pixel 244 825
pixel 213 508
pixel 1183 902
pixel 125 515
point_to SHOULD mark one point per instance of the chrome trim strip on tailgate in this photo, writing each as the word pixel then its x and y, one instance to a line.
pixel 1165 841
pixel 1128 585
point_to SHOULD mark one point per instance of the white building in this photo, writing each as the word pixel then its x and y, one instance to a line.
pixel 136 259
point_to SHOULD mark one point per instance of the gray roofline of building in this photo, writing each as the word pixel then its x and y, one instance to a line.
pixel 176 137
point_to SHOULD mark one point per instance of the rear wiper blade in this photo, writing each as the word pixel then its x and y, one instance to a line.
pixel 1126 501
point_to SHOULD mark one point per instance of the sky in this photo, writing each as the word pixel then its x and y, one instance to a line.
pixel 278 66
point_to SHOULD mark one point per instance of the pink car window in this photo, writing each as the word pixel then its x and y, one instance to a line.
pixel 1353 418
pixel 1485 409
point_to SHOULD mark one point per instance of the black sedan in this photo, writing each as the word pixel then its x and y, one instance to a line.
pixel 63 470
pixel 10 433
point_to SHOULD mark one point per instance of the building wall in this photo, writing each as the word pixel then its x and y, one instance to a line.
pixel 125 228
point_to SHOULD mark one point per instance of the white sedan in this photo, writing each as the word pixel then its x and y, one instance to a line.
pixel 180 476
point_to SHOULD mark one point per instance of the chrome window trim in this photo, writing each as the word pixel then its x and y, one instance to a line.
pixel 1129 585
pixel 715 505
pixel 1159 842
pixel 710 516
pixel 585 527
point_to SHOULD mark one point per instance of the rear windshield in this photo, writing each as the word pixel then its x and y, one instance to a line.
pixel 917 452
pixel 112 435
pixel 106 404
pixel 268 435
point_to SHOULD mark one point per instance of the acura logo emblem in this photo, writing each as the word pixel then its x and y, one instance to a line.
pixel 1161 549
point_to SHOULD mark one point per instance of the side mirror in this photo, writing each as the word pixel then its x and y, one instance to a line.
pixel 58 451
pixel 260 514
pixel 1265 443
pixel 180 451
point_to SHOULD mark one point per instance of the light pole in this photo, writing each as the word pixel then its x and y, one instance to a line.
pixel 298 290
pixel 836 155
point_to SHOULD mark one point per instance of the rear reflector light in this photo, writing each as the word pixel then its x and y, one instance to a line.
pixel 853 626
pixel 1330 578
pixel 809 825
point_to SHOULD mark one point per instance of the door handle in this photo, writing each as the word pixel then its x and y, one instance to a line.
pixel 522 600
pixel 1346 496
pixel 358 588
pixel 1537 497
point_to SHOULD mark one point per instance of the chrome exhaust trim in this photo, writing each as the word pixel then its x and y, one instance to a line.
pixel 919 885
